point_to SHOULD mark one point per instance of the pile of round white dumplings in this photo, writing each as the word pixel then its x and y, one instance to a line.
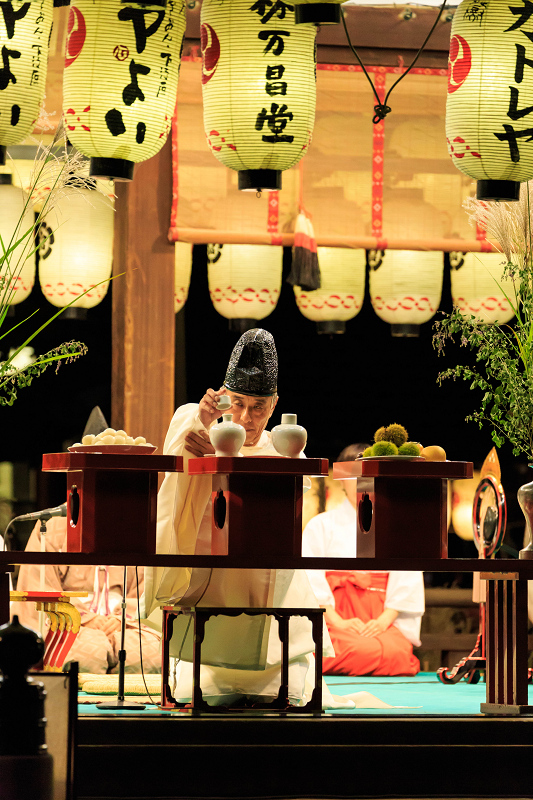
pixel 111 436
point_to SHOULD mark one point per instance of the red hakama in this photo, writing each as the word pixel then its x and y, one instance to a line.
pixel 362 595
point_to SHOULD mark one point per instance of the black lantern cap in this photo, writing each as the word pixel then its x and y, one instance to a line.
pixel 504 191
pixel 60 3
pixel 405 329
pixel 161 3
pixel 242 324
pixel 259 180
pixel 3 151
pixel 253 366
pixel 113 169
pixel 318 13
pixel 6 179
pixel 331 326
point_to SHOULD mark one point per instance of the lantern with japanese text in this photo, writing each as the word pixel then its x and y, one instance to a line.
pixel 478 286
pixel 244 282
pixel 489 115
pixel 342 289
pixel 405 287
pixel 16 218
pixel 120 81
pixel 24 35
pixel 182 273
pixel 76 250
pixel 317 12
pixel 258 83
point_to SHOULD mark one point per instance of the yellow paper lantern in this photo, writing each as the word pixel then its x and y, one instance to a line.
pixel 77 252
pixel 120 81
pixel 182 273
pixel 478 287
pixel 489 121
pixel 244 282
pixel 24 35
pixel 405 287
pixel 342 289
pixel 258 82
pixel 16 218
pixel 317 12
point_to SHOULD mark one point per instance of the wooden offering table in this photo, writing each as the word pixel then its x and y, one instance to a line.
pixel 402 504
pixel 257 503
pixel 111 499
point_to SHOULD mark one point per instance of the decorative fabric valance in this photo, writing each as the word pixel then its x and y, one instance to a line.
pixel 390 185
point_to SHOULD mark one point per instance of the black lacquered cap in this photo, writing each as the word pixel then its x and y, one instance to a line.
pixel 405 329
pixel 504 191
pixel 331 326
pixel 318 13
pixel 113 169
pixel 259 180
pixel 253 366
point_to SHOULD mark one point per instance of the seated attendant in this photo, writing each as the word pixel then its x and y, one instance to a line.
pixel 373 617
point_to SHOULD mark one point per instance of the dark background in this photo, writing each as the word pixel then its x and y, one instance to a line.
pixel 342 387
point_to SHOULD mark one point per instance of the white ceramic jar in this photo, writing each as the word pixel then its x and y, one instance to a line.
pixel 227 437
pixel 289 439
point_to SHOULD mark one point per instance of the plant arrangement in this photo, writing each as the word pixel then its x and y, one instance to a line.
pixel 56 173
pixel 503 352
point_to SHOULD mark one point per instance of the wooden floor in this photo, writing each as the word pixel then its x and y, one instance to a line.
pixel 180 757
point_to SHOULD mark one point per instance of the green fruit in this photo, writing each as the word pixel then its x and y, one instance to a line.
pixel 397 434
pixel 380 435
pixel 384 449
pixel 409 449
pixel 367 452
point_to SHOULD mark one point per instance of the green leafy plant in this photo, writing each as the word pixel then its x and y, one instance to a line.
pixel 503 352
pixel 56 173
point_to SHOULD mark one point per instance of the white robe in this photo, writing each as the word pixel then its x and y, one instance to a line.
pixel 334 534
pixel 242 654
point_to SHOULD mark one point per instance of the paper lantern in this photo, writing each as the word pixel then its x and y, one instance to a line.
pixel 342 289
pixel 258 83
pixel 120 81
pixel 476 279
pixel 489 115
pixel 77 252
pixel 21 271
pixel 405 287
pixel 182 273
pixel 24 35
pixel 244 282
pixel 317 12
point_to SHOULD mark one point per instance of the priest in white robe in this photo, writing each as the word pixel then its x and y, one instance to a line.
pixel 240 655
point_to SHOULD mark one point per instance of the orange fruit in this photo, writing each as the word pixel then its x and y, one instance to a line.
pixel 433 453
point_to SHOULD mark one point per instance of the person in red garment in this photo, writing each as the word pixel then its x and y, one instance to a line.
pixel 373 618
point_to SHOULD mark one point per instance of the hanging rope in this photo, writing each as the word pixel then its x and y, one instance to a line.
pixel 381 109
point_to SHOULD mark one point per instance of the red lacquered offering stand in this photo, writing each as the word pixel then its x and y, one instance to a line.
pixel 402 505
pixel 111 499
pixel 257 503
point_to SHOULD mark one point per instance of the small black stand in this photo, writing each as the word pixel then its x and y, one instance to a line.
pixel 120 702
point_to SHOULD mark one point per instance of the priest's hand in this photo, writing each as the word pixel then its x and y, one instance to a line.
pixel 199 444
pixel 208 411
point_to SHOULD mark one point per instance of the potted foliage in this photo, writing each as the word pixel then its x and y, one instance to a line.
pixel 503 352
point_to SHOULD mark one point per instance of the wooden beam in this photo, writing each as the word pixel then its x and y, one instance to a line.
pixel 142 385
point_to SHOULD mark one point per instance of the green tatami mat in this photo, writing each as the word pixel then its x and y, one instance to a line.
pixel 424 690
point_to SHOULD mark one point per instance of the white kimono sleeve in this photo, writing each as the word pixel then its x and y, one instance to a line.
pixel 315 541
pixel 405 594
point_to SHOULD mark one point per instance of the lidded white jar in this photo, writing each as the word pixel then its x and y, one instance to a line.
pixel 289 439
pixel 227 437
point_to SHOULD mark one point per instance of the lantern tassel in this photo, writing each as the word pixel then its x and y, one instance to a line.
pixel 305 271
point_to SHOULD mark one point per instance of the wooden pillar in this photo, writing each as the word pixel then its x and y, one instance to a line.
pixel 142 384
